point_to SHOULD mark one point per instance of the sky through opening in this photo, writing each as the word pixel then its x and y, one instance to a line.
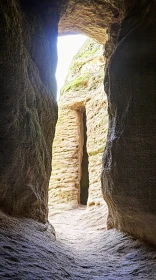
pixel 67 47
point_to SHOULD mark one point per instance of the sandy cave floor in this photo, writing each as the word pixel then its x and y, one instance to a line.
pixel 83 249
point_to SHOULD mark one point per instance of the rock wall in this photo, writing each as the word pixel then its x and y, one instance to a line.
pixel 64 182
pixel 83 90
pixel 28 111
pixel 89 17
pixel 129 161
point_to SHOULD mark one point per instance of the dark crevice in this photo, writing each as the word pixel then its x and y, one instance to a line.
pixel 84 183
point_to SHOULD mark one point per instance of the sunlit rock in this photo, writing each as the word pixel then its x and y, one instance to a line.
pixel 74 154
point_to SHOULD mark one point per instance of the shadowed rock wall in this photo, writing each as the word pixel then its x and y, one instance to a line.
pixel 28 111
pixel 89 17
pixel 84 183
pixel 28 31
pixel 129 162
pixel 128 165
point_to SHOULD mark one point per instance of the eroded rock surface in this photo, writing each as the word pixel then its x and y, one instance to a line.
pixel 28 31
pixel 81 16
pixel 94 18
pixel 83 249
pixel 83 90
pixel 129 161
pixel 28 110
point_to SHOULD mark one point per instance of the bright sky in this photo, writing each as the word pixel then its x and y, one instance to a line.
pixel 67 47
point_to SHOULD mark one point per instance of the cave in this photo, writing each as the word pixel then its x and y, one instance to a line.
pixel 113 245
pixel 84 183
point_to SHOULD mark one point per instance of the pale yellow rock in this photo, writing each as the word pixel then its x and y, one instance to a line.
pixel 83 90
pixel 64 182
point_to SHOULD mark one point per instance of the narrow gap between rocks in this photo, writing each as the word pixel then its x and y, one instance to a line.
pixel 84 182
pixel 80 139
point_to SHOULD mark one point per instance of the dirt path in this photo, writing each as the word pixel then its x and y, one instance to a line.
pixel 84 249
pixel 100 254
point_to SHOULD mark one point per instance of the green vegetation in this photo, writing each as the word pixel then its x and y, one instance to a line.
pixel 76 84
pixel 97 151
pixel 89 48
pixel 78 78
pixel 84 55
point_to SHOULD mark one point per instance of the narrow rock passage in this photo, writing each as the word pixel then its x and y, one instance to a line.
pixel 83 249
pixel 79 226
pixel 100 254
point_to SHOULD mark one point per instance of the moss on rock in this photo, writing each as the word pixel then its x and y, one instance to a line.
pixel 83 90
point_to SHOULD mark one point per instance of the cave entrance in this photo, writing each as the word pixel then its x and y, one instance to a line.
pixel 81 128
pixel 84 182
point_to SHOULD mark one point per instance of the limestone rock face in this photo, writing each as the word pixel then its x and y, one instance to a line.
pixel 64 182
pixel 129 162
pixel 83 91
pixel 89 17
pixel 94 18
pixel 28 111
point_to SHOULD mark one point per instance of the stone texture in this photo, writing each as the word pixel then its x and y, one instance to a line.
pixel 129 161
pixel 83 249
pixel 28 111
pixel 64 182
pixel 83 89
pixel 97 123
pixel 28 58
pixel 95 18
pixel 89 17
